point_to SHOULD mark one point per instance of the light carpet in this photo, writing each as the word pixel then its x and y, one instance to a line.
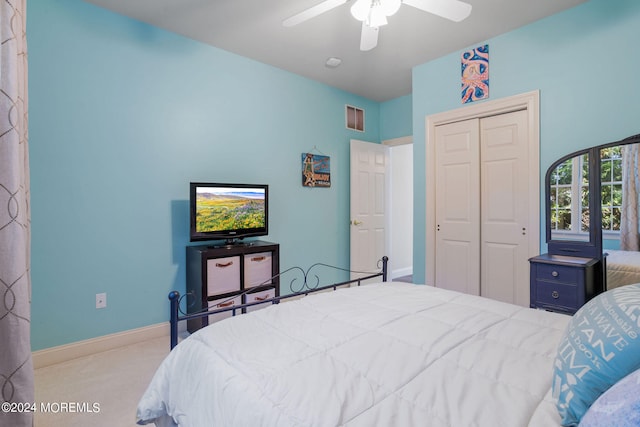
pixel 98 390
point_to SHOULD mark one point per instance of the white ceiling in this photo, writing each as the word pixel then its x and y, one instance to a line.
pixel 253 28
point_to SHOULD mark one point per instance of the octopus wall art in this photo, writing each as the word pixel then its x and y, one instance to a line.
pixel 475 74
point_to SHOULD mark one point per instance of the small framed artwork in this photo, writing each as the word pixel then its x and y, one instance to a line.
pixel 475 74
pixel 316 170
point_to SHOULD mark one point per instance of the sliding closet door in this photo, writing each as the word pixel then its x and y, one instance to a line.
pixel 505 209
pixel 458 207
pixel 482 207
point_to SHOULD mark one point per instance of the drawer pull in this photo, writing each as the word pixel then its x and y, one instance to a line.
pixel 262 298
pixel 258 258
pixel 555 294
pixel 554 274
pixel 226 304
pixel 221 265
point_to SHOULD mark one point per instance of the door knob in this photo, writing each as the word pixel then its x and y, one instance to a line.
pixel 356 222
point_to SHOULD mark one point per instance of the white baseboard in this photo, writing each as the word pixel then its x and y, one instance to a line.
pixel 401 272
pixel 62 353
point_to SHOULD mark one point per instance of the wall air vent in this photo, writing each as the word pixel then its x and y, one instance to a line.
pixel 355 118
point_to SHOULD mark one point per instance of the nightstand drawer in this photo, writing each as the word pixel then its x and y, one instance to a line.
pixel 557 273
pixel 556 294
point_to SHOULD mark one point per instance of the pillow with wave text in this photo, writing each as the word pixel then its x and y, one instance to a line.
pixel 600 346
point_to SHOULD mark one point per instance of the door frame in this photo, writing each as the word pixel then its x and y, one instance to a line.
pixel 529 102
pixel 398 269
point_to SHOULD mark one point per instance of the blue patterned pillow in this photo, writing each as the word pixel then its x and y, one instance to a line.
pixel 619 406
pixel 599 347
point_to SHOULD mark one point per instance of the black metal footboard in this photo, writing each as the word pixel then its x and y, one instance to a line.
pixel 303 284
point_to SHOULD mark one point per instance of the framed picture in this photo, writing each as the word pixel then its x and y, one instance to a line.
pixel 315 170
pixel 475 74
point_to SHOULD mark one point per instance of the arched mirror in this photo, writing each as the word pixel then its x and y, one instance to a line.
pixel 592 208
pixel 570 224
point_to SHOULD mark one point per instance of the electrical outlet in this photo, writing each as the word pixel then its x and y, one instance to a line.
pixel 101 300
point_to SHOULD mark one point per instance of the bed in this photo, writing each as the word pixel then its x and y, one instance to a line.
pixel 381 354
pixel 623 268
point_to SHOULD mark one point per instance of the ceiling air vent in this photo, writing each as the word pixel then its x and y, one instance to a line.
pixel 355 118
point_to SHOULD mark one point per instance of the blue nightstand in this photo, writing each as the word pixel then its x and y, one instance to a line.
pixel 562 283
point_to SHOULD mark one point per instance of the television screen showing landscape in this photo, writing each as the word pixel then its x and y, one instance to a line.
pixel 221 208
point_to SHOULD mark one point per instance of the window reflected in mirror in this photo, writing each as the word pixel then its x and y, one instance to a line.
pixel 619 198
pixel 611 182
pixel 569 194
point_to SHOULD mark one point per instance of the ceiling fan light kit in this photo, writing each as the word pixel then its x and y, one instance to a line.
pixel 373 14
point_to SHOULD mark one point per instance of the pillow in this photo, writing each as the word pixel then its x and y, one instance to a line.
pixel 600 346
pixel 619 406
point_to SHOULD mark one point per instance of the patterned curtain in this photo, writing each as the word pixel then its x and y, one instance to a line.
pixel 629 234
pixel 16 367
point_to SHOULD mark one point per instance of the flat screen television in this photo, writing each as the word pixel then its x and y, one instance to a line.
pixel 228 211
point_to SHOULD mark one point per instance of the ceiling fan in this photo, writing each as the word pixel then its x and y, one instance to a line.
pixel 374 13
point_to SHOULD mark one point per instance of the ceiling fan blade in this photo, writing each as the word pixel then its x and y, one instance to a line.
pixel 369 37
pixel 312 12
pixel 454 10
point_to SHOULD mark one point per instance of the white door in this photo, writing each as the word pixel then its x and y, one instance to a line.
pixel 483 207
pixel 458 207
pixel 368 205
pixel 505 208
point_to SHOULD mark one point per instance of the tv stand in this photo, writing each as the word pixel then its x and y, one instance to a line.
pixel 234 243
pixel 218 276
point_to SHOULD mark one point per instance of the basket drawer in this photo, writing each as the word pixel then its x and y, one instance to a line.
pixel 257 269
pixel 223 303
pixel 259 296
pixel 223 275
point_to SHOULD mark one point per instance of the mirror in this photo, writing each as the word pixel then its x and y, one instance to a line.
pixel 593 203
pixel 571 209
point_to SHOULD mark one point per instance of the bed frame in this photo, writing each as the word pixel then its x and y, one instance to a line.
pixel 298 286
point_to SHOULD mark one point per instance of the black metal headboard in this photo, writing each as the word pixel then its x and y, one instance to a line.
pixel 302 284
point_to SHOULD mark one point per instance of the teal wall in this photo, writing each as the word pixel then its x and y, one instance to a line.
pixel 585 63
pixel 123 116
pixel 396 118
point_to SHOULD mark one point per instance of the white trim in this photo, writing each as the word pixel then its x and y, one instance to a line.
pixel 403 140
pixel 62 353
pixel 401 272
pixel 530 102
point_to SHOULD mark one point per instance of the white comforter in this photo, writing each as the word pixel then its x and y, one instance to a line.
pixel 389 354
